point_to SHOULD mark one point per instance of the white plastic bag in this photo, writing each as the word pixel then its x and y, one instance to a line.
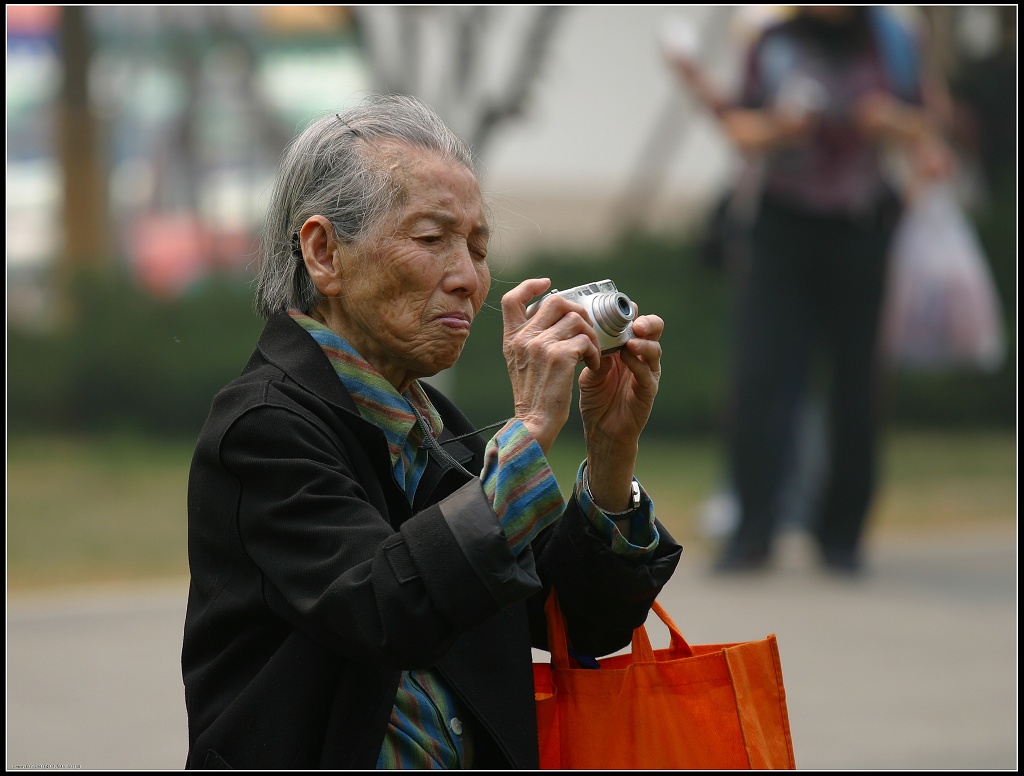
pixel 942 310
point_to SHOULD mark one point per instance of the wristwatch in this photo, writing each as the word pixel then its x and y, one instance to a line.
pixel 634 496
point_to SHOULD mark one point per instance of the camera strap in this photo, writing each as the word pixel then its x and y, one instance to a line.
pixel 435 447
pixel 479 430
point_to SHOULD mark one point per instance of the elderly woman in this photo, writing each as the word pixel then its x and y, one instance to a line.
pixel 369 574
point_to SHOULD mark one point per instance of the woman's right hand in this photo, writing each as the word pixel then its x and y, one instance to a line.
pixel 757 131
pixel 542 351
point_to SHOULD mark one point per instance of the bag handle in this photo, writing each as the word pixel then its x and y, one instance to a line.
pixel 558 644
pixel 557 640
pixel 642 650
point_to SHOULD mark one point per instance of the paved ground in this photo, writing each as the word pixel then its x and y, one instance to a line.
pixel 912 668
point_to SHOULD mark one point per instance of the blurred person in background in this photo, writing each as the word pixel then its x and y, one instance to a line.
pixel 827 92
pixel 984 95
pixel 368 574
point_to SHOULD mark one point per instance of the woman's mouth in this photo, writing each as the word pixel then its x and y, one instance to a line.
pixel 455 320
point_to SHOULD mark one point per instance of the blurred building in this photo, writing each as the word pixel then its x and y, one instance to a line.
pixel 193 105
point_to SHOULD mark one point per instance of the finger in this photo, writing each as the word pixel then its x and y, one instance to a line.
pixel 644 349
pixel 571 327
pixel 643 360
pixel 648 327
pixel 513 303
pixel 558 318
pixel 592 355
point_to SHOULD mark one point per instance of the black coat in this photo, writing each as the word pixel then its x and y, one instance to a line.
pixel 315 583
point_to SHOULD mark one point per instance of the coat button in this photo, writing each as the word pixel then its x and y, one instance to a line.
pixel 456 726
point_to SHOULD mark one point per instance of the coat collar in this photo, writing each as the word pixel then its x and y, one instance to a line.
pixel 288 346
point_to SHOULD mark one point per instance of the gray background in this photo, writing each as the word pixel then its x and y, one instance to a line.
pixel 912 667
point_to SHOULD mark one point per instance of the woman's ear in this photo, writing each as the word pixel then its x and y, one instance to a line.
pixel 320 255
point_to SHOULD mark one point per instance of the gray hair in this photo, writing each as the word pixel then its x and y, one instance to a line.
pixel 333 169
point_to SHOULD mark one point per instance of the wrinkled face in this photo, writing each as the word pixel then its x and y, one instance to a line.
pixel 407 302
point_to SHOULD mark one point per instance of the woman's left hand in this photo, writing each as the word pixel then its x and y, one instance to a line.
pixel 615 403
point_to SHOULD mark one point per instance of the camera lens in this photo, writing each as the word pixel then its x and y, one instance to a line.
pixel 613 312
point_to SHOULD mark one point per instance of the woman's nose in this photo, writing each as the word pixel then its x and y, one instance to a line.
pixel 462 273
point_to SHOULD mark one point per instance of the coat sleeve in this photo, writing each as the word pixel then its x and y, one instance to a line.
pixel 332 564
pixel 604 596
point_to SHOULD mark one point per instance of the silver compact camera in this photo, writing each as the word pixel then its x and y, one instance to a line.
pixel 611 312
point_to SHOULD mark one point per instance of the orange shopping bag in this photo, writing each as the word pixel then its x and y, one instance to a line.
pixel 710 706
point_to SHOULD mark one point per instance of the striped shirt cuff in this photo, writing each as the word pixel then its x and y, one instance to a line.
pixel 643 532
pixel 520 485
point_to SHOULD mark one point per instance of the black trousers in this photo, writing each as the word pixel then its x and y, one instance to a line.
pixel 808 306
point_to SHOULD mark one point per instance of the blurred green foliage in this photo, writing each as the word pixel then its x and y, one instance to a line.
pixel 127 362
pixel 130 363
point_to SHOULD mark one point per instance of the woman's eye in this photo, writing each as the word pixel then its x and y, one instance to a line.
pixel 430 239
